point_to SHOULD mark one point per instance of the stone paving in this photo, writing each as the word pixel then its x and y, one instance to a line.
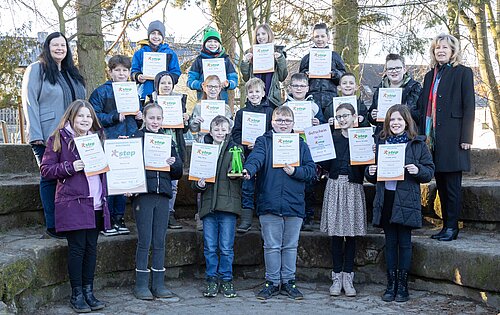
pixel 121 301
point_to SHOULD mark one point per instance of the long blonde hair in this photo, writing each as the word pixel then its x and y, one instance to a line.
pixel 269 31
pixel 456 53
pixel 69 117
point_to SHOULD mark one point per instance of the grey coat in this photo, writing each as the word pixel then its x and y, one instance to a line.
pixel 44 103
pixel 407 209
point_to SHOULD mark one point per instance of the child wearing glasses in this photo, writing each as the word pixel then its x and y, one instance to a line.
pixel 396 77
pixel 280 206
pixel 348 87
pixel 256 103
pixel 299 86
pixel 344 206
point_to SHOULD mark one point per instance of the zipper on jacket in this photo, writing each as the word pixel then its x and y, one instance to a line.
pixel 158 182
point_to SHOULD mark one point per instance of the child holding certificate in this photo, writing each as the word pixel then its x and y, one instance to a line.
pixel 80 207
pixel 348 87
pixel 151 215
pixel 152 46
pixel 115 124
pixel 280 205
pixel 344 206
pixel 323 90
pixel 396 207
pixel 220 207
pixel 264 35
pixel 212 50
pixel 396 77
pixel 256 106
pixel 164 85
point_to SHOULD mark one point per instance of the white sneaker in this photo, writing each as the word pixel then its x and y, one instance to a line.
pixel 113 231
pixel 336 287
pixel 347 278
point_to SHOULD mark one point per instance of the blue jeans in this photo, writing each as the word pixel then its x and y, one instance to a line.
pixel 47 189
pixel 171 202
pixel 281 238
pixel 218 238
pixel 247 193
pixel 116 205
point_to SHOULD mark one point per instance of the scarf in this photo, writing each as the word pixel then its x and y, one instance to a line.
pixel 430 114
pixel 402 138
pixel 215 54
pixel 67 95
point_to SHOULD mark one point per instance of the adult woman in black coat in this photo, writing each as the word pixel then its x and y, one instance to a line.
pixel 447 108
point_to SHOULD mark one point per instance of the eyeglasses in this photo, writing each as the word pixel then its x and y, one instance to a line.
pixel 213 87
pixel 283 121
pixel 339 117
pixel 395 69
pixel 297 86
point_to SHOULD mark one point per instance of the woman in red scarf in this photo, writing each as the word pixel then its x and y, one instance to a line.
pixel 447 106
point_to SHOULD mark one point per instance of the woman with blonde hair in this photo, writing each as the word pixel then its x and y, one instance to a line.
pixel 447 106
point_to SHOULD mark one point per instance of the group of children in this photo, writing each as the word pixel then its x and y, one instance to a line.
pixel 279 196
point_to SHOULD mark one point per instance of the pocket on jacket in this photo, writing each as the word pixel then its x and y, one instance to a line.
pixel 47 116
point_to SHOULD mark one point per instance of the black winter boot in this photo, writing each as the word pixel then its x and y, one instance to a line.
pixel 78 301
pixel 88 293
pixel 402 293
pixel 390 291
pixel 158 285
pixel 245 221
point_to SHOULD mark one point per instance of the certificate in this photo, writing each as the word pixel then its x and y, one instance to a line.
pixel 386 98
pixel 126 165
pixel 209 110
pixel 203 162
pixel 391 162
pixel 263 58
pixel 302 114
pixel 157 149
pixel 343 100
pixel 172 111
pixel 214 66
pixel 320 63
pixel 320 142
pixel 91 153
pixel 126 97
pixel 253 126
pixel 153 63
pixel 286 149
pixel 361 146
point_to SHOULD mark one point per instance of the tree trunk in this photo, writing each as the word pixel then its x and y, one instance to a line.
pixel 346 32
pixel 452 11
pixel 90 44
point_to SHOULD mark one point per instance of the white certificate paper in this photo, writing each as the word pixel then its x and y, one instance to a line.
pixel 126 97
pixel 203 162
pixel 172 110
pixel 91 153
pixel 342 100
pixel 157 149
pixel 214 66
pixel 320 142
pixel 286 149
pixel 263 58
pixel 253 126
pixel 209 110
pixel 320 63
pixel 391 162
pixel 302 115
pixel 361 146
pixel 126 165
pixel 153 63
pixel 386 98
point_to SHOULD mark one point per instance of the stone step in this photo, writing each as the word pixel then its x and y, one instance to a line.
pixel 33 269
pixel 17 159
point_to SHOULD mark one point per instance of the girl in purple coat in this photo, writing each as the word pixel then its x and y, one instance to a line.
pixel 80 203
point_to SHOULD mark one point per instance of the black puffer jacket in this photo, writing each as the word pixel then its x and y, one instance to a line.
pixel 159 182
pixel 407 209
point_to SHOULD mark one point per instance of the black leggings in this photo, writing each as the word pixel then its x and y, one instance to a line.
pixel 82 253
pixel 343 251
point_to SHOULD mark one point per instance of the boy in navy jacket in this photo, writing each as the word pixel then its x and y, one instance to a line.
pixel 280 205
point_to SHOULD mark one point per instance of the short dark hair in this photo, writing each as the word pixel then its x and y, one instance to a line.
pixel 390 57
pixel 119 60
pixel 299 76
pixel 347 74
pixel 320 26
pixel 347 106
